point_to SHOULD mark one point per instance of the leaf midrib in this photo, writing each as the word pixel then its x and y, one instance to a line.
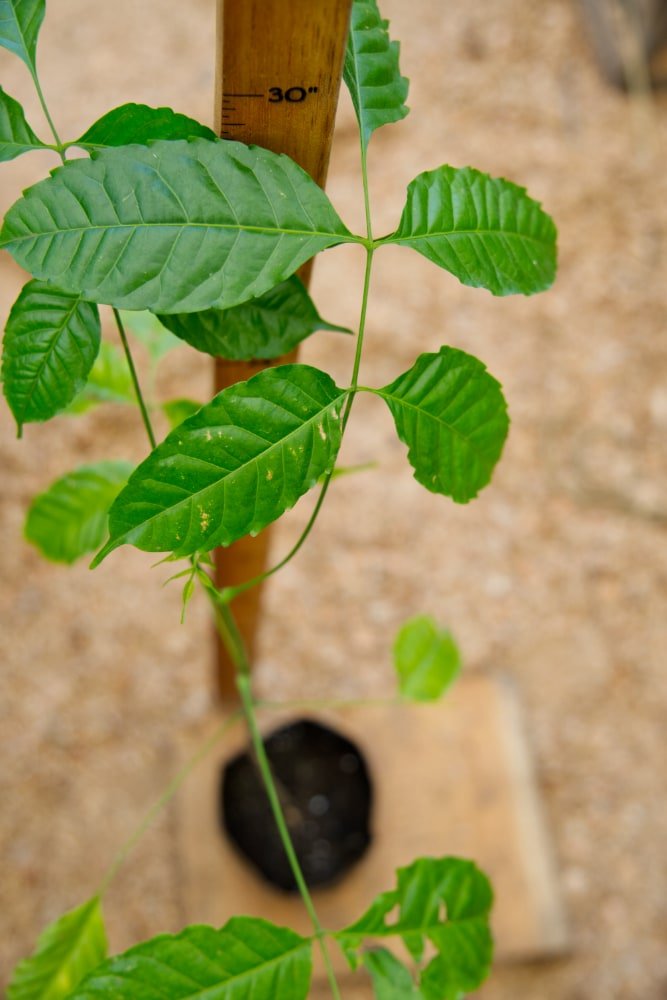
pixel 449 233
pixel 412 406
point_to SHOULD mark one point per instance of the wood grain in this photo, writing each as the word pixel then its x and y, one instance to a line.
pixel 297 48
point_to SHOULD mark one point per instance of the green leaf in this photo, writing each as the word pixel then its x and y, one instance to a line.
pixel 426 658
pixel 486 231
pixel 452 415
pixel 151 333
pixel 266 327
pixel 70 518
pixel 16 136
pixel 139 123
pixel 109 382
pixel 235 466
pixel 371 70
pixel 391 979
pixel 20 21
pixel 174 227
pixel 66 952
pixel 178 410
pixel 51 341
pixel 248 957
pixel 445 901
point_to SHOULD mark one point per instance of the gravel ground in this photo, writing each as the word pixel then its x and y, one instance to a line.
pixel 557 575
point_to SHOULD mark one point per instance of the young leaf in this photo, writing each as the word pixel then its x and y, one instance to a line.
pixel 148 329
pixel 174 227
pixel 426 658
pixel 16 136
pixel 139 123
pixel 391 979
pixel 236 465
pixel 486 231
pixel 109 382
pixel 452 415
pixel 265 327
pixel 20 21
pixel 66 952
pixel 178 410
pixel 248 957
pixel 51 341
pixel 70 518
pixel 371 71
pixel 445 901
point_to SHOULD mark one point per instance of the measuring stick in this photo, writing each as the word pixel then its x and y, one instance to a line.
pixel 278 70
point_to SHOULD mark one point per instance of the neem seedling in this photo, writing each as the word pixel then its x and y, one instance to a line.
pixel 164 217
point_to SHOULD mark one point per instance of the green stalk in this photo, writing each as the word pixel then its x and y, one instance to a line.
pixel 135 381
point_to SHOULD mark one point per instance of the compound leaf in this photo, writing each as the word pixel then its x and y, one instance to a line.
pixel 248 957
pixel 20 21
pixel 391 979
pixel 139 123
pixel 66 952
pixel 445 901
pixel 486 231
pixel 233 467
pixel 426 658
pixel 16 136
pixel 452 415
pixel 51 341
pixel 266 327
pixel 109 382
pixel 70 518
pixel 174 227
pixel 371 70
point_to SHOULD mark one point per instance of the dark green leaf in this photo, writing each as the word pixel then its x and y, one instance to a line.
pixel 20 21
pixel 67 951
pixel 16 136
pixel 174 227
pixel 371 70
pixel 51 341
pixel 109 382
pixel 426 658
pixel 266 327
pixel 484 230
pixel 70 518
pixel 246 958
pixel 452 415
pixel 391 979
pixel 178 410
pixel 138 123
pixel 445 901
pixel 233 467
pixel 147 328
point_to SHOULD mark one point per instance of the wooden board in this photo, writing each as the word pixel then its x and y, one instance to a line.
pixel 452 778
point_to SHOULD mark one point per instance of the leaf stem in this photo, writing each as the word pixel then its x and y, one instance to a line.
pixel 60 149
pixel 164 799
pixel 135 381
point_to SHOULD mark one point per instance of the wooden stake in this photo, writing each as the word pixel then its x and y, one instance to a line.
pixel 278 71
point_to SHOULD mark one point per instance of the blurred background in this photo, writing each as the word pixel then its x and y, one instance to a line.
pixel 556 575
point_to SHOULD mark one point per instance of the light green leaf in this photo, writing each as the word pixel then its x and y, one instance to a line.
pixel 51 341
pixel 486 231
pixel 66 951
pixel 266 327
pixel 445 901
pixel 174 227
pixel 426 658
pixel 70 518
pixel 147 328
pixel 248 957
pixel 20 21
pixel 16 136
pixel 139 123
pixel 178 410
pixel 109 382
pixel 452 415
pixel 371 70
pixel 391 979
pixel 235 466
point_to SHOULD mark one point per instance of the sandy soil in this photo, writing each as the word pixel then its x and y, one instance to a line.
pixel 556 575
